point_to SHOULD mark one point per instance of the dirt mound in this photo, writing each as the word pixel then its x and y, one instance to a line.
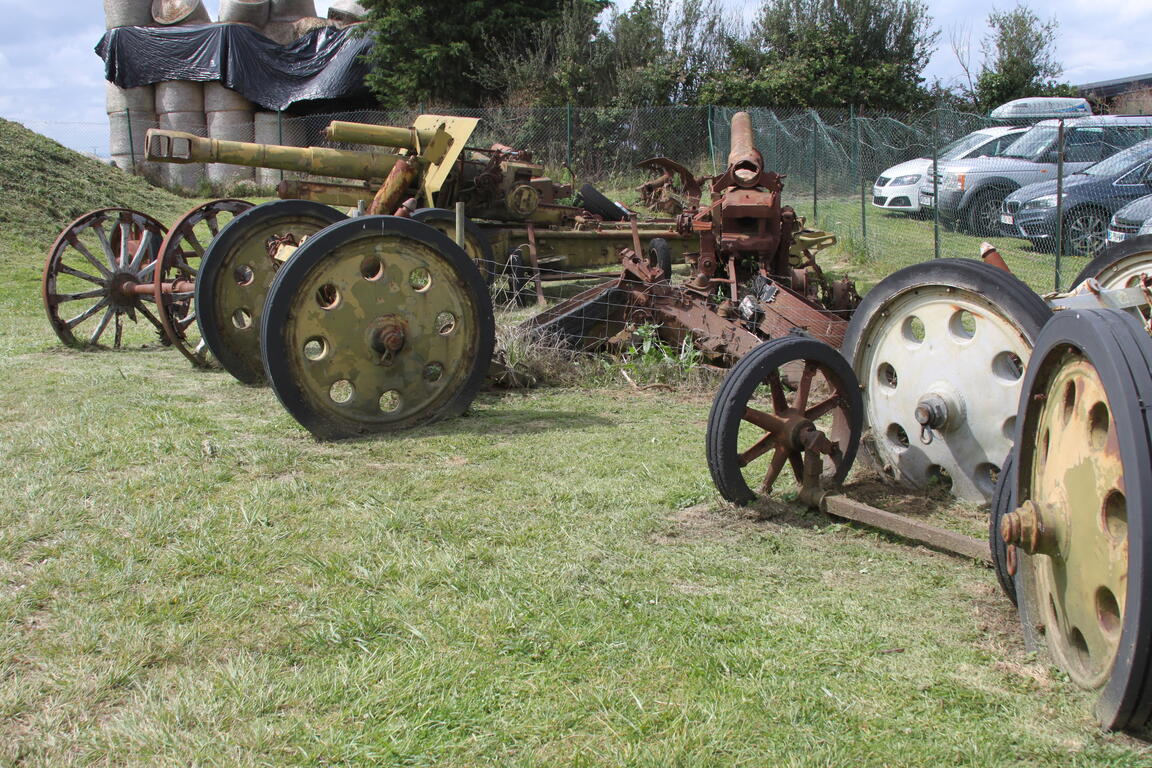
pixel 44 186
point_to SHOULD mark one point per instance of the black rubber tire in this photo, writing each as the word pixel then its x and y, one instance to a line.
pixel 1081 218
pixel 594 202
pixel 485 263
pixel 274 343
pixel 728 408
pixel 1002 503
pixel 1116 257
pixel 245 368
pixel 978 218
pixel 1121 352
pixel 660 255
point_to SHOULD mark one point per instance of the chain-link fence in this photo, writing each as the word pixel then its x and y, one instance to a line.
pixel 864 175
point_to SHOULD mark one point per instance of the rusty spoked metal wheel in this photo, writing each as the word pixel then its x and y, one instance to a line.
pixel 785 397
pixel 377 324
pixel 174 287
pixel 940 350
pixel 236 272
pixel 100 271
pixel 1083 545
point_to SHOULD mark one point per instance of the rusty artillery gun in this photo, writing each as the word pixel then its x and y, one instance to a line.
pixel 753 277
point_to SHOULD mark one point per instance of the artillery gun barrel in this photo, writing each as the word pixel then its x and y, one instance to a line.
pixel 744 156
pixel 179 147
pixel 412 139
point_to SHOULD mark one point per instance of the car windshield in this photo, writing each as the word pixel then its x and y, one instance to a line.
pixel 1034 143
pixel 963 146
pixel 1121 161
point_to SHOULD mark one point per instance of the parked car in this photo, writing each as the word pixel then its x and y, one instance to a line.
pixel 972 191
pixel 1131 221
pixel 1034 108
pixel 1091 196
pixel 898 188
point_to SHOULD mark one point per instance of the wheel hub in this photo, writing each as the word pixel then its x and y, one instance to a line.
pixel 386 337
pixel 941 409
pixel 1038 528
pixel 122 289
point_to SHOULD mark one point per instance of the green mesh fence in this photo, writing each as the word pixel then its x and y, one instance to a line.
pixel 831 159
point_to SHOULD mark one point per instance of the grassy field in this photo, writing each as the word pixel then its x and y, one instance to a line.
pixel 187 578
pixel 895 240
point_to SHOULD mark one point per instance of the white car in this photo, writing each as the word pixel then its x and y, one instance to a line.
pixel 898 188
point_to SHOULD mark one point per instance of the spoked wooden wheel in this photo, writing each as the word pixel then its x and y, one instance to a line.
pixel 100 271
pixel 785 397
pixel 174 287
pixel 236 272
pixel 1082 545
pixel 940 350
pixel 377 324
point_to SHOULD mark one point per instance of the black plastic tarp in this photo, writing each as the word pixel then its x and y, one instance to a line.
pixel 325 63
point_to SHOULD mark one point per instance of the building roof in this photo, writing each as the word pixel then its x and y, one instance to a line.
pixel 1108 88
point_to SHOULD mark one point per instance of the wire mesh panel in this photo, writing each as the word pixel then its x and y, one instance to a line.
pixel 866 176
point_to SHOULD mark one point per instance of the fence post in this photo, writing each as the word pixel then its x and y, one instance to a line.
pixel 1059 203
pixel 131 143
pixel 568 148
pixel 775 142
pixel 815 194
pixel 280 134
pixel 857 162
pixel 711 141
pixel 935 183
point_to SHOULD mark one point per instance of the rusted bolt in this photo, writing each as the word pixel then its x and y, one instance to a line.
pixel 391 338
pixel 1025 528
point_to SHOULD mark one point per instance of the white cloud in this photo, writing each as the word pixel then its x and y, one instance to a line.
pixel 52 79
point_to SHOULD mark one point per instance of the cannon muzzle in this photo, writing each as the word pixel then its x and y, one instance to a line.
pixel 179 147
pixel 744 160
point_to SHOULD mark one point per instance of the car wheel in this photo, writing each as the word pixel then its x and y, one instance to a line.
pixel 983 217
pixel 1085 232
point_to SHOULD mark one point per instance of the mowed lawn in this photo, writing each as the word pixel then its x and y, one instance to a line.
pixel 188 579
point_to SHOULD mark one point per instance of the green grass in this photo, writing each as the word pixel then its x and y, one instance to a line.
pixel 895 240
pixel 186 578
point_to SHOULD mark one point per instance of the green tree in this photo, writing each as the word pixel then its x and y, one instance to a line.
pixel 1019 60
pixel 657 52
pixel 821 53
pixel 430 51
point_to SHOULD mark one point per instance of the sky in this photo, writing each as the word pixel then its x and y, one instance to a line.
pixel 52 81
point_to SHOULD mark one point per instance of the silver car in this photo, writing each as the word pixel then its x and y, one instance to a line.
pixel 898 187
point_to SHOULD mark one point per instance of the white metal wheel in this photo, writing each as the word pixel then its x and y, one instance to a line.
pixel 940 350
